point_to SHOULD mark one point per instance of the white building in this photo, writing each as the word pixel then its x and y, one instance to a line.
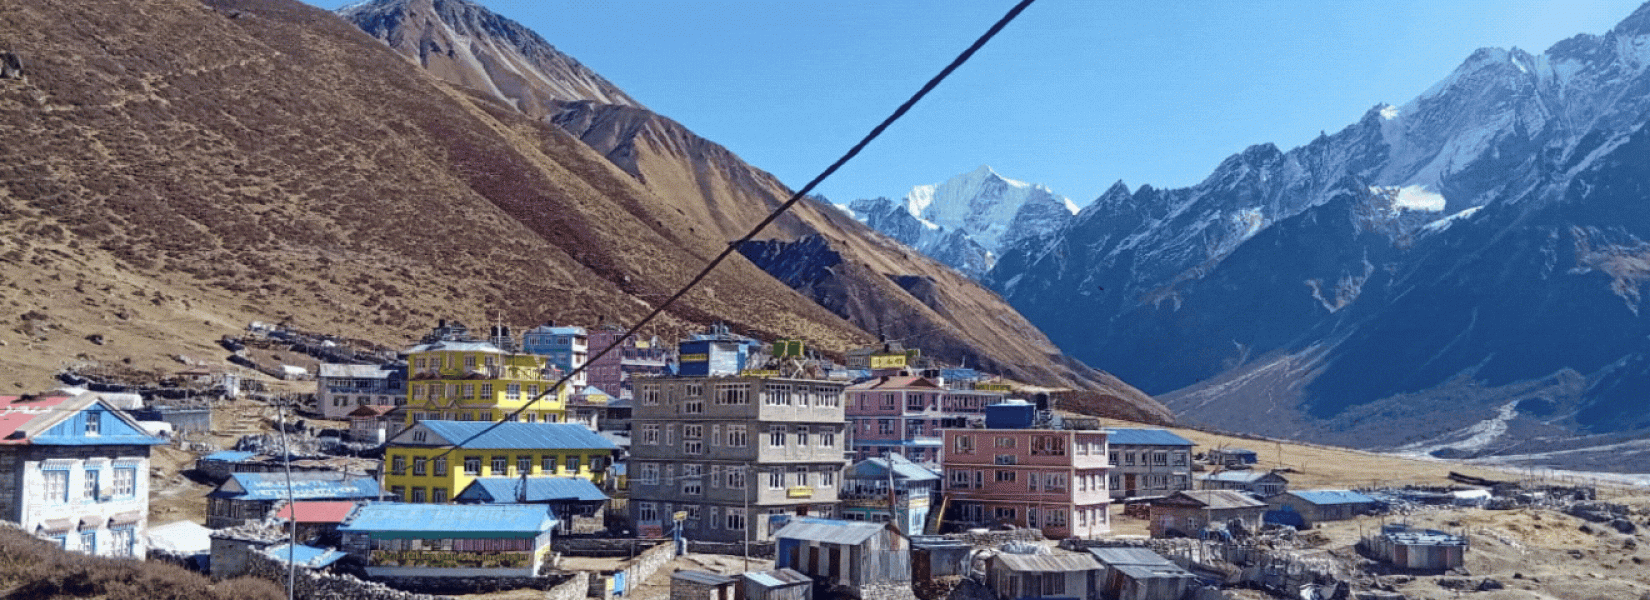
pixel 75 469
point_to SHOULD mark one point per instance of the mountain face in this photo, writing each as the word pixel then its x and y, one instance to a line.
pixel 715 196
pixel 1461 274
pixel 970 219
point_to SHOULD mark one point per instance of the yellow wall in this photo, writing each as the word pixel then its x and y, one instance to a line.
pixel 455 480
pixel 438 383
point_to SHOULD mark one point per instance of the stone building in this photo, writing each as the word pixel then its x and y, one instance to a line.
pixel 76 470
pixel 1187 513
pixel 731 453
pixel 339 389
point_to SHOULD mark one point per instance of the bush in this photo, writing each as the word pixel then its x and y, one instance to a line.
pixel 37 569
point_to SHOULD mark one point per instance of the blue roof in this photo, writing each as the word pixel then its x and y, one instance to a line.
pixel 308 485
pixel 916 442
pixel 398 520
pixel 1333 497
pixel 1145 437
pixel 305 556
pixel 1238 476
pixel 512 435
pixel 229 455
pixel 877 468
pixel 507 490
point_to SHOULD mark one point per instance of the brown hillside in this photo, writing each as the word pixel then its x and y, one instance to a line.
pixel 175 169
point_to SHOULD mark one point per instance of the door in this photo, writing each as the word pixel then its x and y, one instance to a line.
pixel 1128 485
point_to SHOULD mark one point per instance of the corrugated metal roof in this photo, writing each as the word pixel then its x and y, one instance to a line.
pixel 507 490
pixel 702 578
pixel 1241 476
pixel 516 435
pixel 341 371
pixel 181 537
pixel 305 556
pixel 1128 556
pixel 829 530
pixel 903 469
pixel 501 520
pixel 1164 571
pixel 1221 499
pixel 318 511
pixel 778 578
pixel 1333 497
pixel 449 346
pixel 1145 437
pixel 308 485
pixel 229 455
pixel 1048 563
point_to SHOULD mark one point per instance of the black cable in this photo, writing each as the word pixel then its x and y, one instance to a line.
pixel 796 197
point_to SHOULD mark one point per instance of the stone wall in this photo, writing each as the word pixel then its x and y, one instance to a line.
pixel 642 567
pixel 995 538
pixel 575 588
pixel 608 547
pixel 326 586
pixel 886 591
pixel 758 549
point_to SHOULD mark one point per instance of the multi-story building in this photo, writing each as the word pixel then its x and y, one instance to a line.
pixel 1148 462
pixel 634 357
pixel 434 460
pixel 717 352
pixel 889 489
pixel 339 389
pixel 1048 479
pixel 567 348
pixel 728 452
pixel 455 377
pixel 905 414
pixel 76 470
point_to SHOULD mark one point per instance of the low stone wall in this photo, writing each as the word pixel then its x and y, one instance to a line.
pixel 326 586
pixel 643 566
pixel 994 538
pixel 758 549
pixel 604 547
pixel 575 588
pixel 473 585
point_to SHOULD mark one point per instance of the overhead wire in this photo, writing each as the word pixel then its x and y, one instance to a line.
pixel 796 197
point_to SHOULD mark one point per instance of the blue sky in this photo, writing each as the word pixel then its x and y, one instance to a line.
pixel 1076 94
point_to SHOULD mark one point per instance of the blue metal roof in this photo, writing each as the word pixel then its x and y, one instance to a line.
pixel 229 455
pixel 877 468
pixel 1333 497
pixel 518 436
pixel 1145 437
pixel 507 490
pixel 397 520
pixel 305 556
pixel 310 485
pixel 1239 476
pixel 778 578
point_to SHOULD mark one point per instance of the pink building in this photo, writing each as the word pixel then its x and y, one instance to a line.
pixel 612 372
pixel 1048 479
pixel 905 414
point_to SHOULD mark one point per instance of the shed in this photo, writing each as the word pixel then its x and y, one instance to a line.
pixel 1310 507
pixel 1419 549
pixel 938 556
pixel 845 553
pixel 1185 512
pixel 1023 576
pixel 700 585
pixel 1140 574
pixel 778 584
pixel 1233 456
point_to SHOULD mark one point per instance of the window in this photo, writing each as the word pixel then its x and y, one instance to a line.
pixel 776 436
pixel 733 393
pixel 1160 458
pixel 1180 459
pixel 650 473
pixel 472 465
pixel 650 434
pixel 736 519
pixel 888 400
pixel 1031 517
pixel 1004 476
pixel 885 425
pixel 800 475
pixel 125 482
pixel 547 464
pixel 398 493
pixel 420 466
pixel 91 485
pixel 529 417
pixel 469 361
pixel 438 495
pixel 670 434
pixel 1113 459
pixel 1128 458
pixel 696 390
pixel 693 406
pixel 420 435
pixel 469 391
pixel 487 391
pixel 398 465
pixel 825 396
pixel 959 480
pixel 573 465
pixel 734 478
pixel 532 391
pixel 802 435
pixel 1048 445
pixel 1055 517
pixel 693 439
pixel 827 438
pixel 776 479
pixel 1004 441
pixel 485 415
pixel 963 444
pixel 94 422
pixel 512 391
pixel 691 483
pixel 650 395
pixel 1054 481
pixel 88 541
pixel 1005 459
pixel 692 512
pixel 440 466
pixel 501 465
pixel 827 478
pixel 1003 513
pixel 418 495
pixel 777 395
pixel 647 511
pixel 738 436
pixel 1116 481
pixel 122 540
pixel 524 464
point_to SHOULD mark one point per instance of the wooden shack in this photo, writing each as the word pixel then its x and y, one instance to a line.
pixel 1130 573
pixel 843 553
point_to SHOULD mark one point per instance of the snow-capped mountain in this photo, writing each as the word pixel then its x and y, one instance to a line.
pixel 970 219
pixel 1409 275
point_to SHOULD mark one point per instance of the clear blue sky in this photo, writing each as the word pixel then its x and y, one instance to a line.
pixel 1076 94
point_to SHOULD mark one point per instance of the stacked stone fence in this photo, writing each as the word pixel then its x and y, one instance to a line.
pixel 326 586
pixel 996 538
pixel 600 547
pixel 757 549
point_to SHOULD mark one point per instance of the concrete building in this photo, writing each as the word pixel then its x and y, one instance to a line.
pixel 567 348
pixel 339 389
pixel 905 414
pixel 866 493
pixel 614 372
pixel 1048 479
pixel 729 452
pixel 435 460
pixel 75 470
pixel 1186 513
pixel 1148 462
pixel 455 377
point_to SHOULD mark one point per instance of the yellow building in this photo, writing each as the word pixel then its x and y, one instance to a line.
pixel 434 460
pixel 463 380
